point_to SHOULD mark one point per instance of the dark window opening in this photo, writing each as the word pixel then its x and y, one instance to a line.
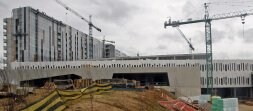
pixel 157 79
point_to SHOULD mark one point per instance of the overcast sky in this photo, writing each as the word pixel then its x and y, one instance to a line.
pixel 138 25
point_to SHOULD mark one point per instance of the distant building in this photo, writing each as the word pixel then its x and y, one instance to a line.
pixel 97 49
pixel 33 36
pixel 112 52
pixel 109 51
pixel 118 53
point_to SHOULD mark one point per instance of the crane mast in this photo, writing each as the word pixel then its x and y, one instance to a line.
pixel 89 38
pixel 209 52
pixel 208 36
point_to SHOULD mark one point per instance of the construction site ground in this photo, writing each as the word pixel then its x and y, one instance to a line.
pixel 113 100
pixel 19 102
pixel 244 107
pixel 146 100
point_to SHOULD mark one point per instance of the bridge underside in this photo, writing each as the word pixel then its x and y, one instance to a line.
pixel 154 78
pixel 40 82
pixel 181 80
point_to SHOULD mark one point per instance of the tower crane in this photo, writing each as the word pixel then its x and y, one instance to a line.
pixel 188 41
pixel 208 36
pixel 104 45
pixel 91 25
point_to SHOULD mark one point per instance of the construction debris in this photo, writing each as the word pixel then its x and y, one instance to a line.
pixel 49 86
pixel 64 84
pixel 82 83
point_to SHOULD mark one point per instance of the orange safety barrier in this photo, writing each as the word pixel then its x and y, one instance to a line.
pixel 175 105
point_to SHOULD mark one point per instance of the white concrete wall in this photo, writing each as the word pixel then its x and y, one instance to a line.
pixel 243 68
pixel 183 79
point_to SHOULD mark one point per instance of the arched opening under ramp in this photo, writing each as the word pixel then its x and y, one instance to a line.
pixel 154 78
pixel 40 82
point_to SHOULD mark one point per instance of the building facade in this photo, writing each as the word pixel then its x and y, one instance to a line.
pixel 33 36
pixel 109 51
pixel 231 78
pixel 118 53
pixel 97 49
pixel 112 52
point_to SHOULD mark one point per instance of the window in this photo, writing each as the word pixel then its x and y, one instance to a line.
pixel 242 80
pixel 243 66
pixel 216 65
pixel 239 80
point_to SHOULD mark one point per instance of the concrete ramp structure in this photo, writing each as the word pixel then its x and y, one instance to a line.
pixel 178 76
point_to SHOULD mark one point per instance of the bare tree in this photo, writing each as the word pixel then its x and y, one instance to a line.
pixel 5 83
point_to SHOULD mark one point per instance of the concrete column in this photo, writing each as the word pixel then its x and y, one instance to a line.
pixel 234 92
pixel 251 92
pixel 231 92
pixel 69 76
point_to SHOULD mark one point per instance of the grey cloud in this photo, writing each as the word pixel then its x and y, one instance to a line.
pixel 3 4
pixel 244 54
pixel 173 37
pixel 130 51
pixel 187 9
pixel 199 37
pixel 114 10
pixel 191 9
pixel 248 35
pixel 161 47
pixel 3 7
pixel 217 35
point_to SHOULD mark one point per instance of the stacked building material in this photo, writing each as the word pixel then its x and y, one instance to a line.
pixel 82 83
pixel 228 104
pixel 217 103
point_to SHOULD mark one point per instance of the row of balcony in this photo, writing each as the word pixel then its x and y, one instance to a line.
pixel 5 33
pixel 5 47
pixel 5 20
pixel 5 40
pixel 5 27
pixel 5 54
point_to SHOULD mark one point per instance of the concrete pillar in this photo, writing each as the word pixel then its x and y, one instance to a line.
pixel 251 92
pixel 69 76
pixel 234 92
pixel 231 92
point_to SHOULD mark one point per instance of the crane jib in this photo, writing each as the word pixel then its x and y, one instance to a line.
pixel 208 36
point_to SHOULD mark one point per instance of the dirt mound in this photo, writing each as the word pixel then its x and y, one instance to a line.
pixel 146 100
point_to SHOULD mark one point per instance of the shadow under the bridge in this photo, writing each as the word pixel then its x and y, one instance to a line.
pixel 42 81
pixel 155 78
